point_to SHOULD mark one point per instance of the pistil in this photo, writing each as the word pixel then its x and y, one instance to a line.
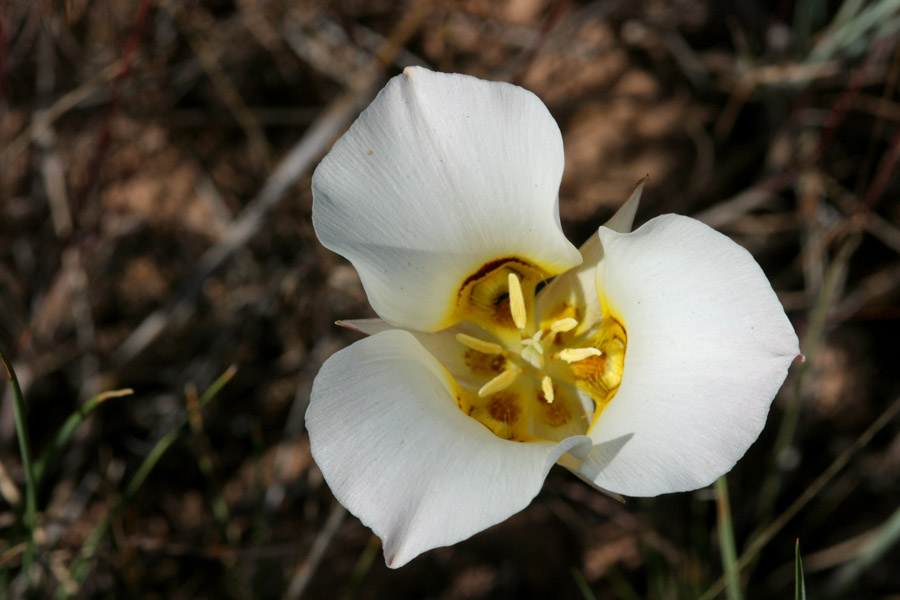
pixel 533 350
pixel 534 370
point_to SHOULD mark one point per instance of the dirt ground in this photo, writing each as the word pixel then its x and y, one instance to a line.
pixel 155 162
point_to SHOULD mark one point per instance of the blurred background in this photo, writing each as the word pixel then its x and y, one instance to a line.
pixel 155 230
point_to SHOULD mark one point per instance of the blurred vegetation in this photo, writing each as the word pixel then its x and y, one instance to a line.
pixel 155 229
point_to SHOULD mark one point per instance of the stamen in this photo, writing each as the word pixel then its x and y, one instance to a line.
pixel 563 325
pixel 571 355
pixel 516 301
pixel 478 345
pixel 498 383
pixel 547 387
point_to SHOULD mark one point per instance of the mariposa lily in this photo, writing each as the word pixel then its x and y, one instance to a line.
pixel 645 362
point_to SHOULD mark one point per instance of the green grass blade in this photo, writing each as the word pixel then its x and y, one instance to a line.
pixel 361 568
pixel 856 32
pixel 808 17
pixel 622 588
pixel 64 435
pixel 89 550
pixel 812 339
pixel 848 10
pixel 761 540
pixel 582 584
pixel 726 541
pixel 205 463
pixel 874 549
pixel 800 583
pixel 215 388
pixel 27 466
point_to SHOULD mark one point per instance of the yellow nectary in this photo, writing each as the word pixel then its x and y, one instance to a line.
pixel 531 367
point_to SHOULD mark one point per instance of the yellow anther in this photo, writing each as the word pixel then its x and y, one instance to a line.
pixel 571 355
pixel 479 345
pixel 547 387
pixel 563 325
pixel 498 383
pixel 516 301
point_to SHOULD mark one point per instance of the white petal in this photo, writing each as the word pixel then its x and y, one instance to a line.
pixel 366 326
pixel 577 286
pixel 709 346
pixel 440 175
pixel 396 450
pixel 624 217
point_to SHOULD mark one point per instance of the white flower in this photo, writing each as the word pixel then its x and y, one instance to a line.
pixel 646 366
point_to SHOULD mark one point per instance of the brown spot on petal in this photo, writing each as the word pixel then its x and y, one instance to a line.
pixel 505 408
pixel 486 268
pixel 556 414
pixel 591 370
pixel 480 362
pixel 483 297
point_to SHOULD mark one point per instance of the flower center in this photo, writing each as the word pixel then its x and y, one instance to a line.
pixel 534 377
